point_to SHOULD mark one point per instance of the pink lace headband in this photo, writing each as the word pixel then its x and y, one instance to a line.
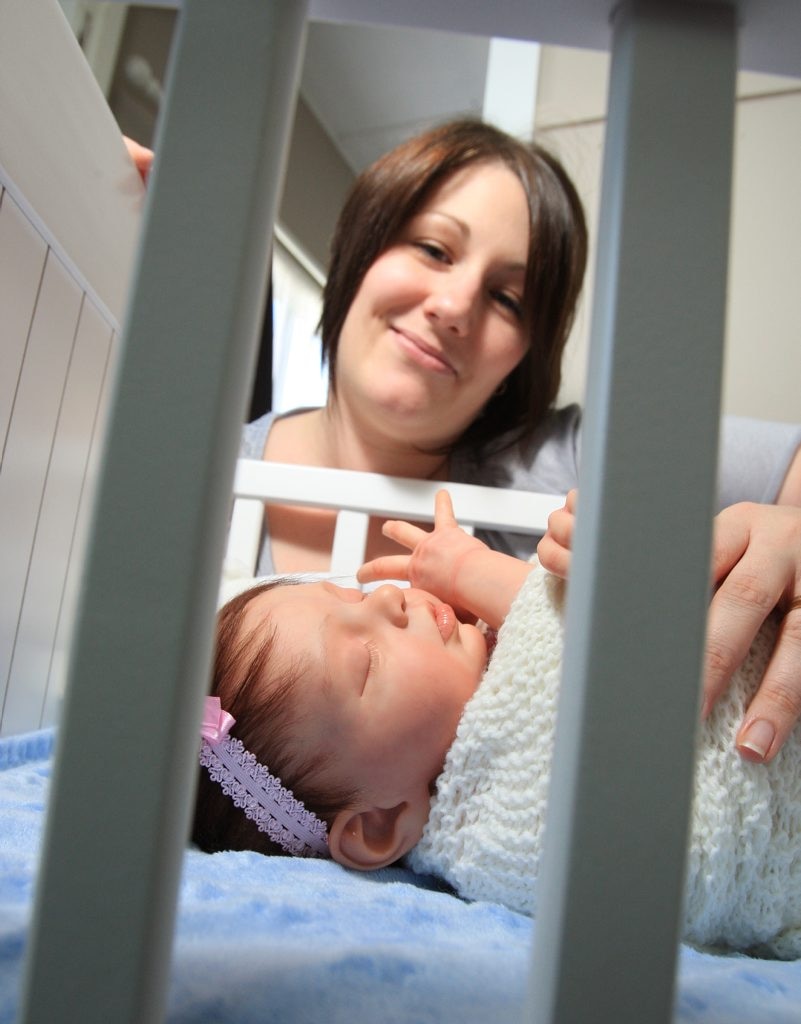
pixel 252 788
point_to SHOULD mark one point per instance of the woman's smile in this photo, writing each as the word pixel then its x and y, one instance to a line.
pixel 423 353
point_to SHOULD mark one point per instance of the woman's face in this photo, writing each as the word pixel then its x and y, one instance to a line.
pixel 438 321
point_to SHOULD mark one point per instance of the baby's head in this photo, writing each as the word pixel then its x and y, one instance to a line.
pixel 351 699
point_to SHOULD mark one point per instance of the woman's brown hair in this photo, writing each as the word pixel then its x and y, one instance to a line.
pixel 263 700
pixel 393 189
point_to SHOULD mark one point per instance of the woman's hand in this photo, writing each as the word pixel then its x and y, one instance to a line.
pixel 756 567
pixel 554 547
pixel 141 156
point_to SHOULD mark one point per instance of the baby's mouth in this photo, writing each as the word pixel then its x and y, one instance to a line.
pixel 445 618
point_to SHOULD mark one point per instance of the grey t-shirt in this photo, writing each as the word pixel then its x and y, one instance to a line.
pixel 754 458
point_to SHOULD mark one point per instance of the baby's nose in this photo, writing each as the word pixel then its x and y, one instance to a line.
pixel 390 601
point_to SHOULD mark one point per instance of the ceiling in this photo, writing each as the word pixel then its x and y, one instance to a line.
pixel 371 86
pixel 769 30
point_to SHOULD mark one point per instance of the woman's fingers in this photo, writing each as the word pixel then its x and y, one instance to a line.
pixel 746 595
pixel 757 564
pixel 777 705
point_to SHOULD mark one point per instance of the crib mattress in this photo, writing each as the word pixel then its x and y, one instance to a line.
pixel 273 939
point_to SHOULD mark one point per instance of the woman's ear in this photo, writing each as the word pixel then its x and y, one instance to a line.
pixel 374 837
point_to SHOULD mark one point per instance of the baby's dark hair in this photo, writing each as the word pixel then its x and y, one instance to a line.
pixel 259 689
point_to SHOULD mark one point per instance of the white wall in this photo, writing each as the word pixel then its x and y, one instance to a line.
pixel 763 338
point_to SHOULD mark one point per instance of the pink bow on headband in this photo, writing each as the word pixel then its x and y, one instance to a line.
pixel 216 723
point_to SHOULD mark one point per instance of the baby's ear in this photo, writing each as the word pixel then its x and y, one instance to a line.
pixel 374 837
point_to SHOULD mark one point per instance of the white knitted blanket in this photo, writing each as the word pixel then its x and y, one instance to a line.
pixel 484 834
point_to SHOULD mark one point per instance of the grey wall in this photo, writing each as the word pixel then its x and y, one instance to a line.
pixel 317 177
pixel 316 181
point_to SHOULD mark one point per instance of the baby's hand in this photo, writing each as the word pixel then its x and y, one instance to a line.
pixel 553 550
pixel 436 558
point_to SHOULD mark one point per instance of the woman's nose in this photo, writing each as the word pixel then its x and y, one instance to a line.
pixel 452 303
pixel 389 602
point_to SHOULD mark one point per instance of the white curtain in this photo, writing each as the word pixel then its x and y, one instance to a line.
pixel 298 377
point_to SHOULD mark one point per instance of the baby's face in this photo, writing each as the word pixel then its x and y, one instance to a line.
pixel 384 678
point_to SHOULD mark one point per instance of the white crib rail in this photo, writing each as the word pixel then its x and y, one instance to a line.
pixel 357 496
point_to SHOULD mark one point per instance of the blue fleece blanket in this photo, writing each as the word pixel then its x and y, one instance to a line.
pixel 275 940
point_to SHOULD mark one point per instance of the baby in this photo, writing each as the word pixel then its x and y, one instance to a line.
pixel 368 709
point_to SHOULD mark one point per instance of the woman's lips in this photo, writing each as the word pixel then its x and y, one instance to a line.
pixel 424 354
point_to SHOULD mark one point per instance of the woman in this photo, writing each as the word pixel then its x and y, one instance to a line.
pixel 455 270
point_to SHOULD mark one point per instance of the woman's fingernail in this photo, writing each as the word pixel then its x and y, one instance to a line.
pixel 757 739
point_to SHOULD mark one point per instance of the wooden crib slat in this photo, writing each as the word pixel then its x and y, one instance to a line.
pixel 358 495
pixel 244 537
pixel 29 443
pixel 56 530
pixel 350 543
pixel 92 445
pixel 612 873
pixel 485 507
pixel 22 258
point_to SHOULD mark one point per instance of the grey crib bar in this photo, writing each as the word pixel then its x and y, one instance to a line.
pixel 611 884
pixel 118 818
pixel 127 752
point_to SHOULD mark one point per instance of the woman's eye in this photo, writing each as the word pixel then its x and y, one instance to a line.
pixel 509 302
pixel 433 250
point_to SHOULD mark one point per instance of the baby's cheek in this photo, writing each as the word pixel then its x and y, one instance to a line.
pixel 478 645
pixel 464 683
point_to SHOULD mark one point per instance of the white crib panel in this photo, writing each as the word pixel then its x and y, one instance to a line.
pixel 22 258
pixel 94 229
pixel 56 680
pixel 43 605
pixel 30 441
